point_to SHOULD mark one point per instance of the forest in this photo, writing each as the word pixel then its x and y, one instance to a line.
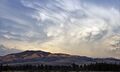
pixel 62 68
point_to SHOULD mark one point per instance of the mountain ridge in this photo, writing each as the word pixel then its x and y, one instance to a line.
pixel 42 57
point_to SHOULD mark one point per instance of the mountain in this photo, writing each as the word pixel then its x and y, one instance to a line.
pixel 41 57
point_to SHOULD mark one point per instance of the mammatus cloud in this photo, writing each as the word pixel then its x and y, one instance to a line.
pixel 74 27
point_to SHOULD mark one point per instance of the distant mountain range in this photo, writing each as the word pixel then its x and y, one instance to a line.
pixel 41 57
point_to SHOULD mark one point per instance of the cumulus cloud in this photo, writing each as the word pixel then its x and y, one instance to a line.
pixel 76 27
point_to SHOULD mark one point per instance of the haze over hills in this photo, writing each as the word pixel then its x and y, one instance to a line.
pixel 41 57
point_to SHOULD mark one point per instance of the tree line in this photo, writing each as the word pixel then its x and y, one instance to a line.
pixel 72 67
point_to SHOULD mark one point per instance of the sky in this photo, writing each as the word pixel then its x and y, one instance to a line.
pixel 78 27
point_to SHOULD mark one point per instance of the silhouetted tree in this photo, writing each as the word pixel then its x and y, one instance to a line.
pixel 62 68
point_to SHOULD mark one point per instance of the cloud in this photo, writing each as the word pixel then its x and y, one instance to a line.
pixel 4 50
pixel 77 27
pixel 14 23
pixel 113 43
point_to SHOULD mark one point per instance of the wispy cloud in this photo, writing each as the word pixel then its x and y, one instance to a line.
pixel 78 27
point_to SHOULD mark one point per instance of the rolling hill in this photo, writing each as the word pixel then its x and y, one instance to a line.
pixel 41 57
